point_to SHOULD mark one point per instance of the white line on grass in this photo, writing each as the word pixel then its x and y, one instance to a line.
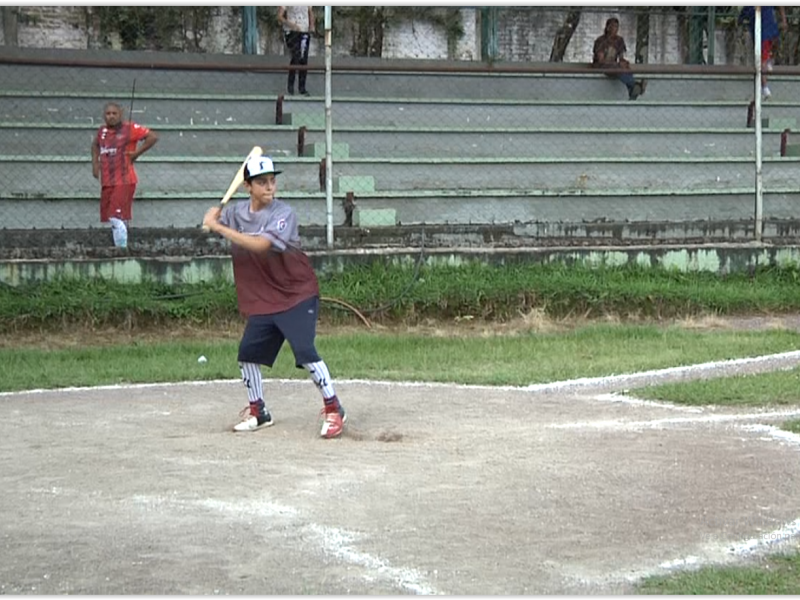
pixel 554 386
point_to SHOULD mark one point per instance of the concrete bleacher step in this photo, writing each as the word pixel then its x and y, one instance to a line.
pixel 185 73
pixel 189 174
pixel 103 80
pixel 548 210
pixel 548 142
pixel 153 111
pixel 588 113
pixel 32 175
pixel 282 141
pixel 215 110
pixel 305 119
pixel 267 74
pixel 354 183
pixel 777 124
pixel 236 110
pixel 375 217
pixel 576 174
pixel 338 151
pixel 174 140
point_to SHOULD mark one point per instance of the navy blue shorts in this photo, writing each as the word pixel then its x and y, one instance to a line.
pixel 264 335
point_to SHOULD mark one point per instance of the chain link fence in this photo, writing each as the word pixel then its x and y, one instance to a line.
pixel 526 133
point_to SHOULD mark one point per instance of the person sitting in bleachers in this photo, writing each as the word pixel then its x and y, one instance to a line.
pixel 609 53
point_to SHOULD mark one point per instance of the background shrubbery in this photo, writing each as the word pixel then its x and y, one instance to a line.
pixel 401 294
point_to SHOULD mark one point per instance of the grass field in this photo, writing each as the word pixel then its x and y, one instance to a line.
pixel 519 359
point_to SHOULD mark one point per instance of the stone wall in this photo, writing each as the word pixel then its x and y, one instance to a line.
pixel 524 34
pixel 51 27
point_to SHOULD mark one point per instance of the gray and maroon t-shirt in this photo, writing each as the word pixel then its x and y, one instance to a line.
pixel 283 277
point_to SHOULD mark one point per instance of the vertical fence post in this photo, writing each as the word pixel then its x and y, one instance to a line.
pixel 328 130
pixel 696 24
pixel 10 29
pixel 711 30
pixel 489 46
pixel 759 216
pixel 249 30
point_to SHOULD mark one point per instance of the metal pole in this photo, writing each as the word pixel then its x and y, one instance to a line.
pixel 249 30
pixel 711 30
pixel 759 217
pixel 328 129
pixel 10 29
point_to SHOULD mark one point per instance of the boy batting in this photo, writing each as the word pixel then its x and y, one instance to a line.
pixel 277 291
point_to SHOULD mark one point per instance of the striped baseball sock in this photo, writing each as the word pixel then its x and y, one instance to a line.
pixel 322 379
pixel 251 377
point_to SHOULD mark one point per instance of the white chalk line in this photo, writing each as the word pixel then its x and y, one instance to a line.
pixel 332 541
pixel 554 386
pixel 725 553
pixel 776 433
pixel 616 398
pixel 717 554
pixel 623 425
pixel 337 542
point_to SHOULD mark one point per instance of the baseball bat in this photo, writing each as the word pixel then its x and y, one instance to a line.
pixel 238 179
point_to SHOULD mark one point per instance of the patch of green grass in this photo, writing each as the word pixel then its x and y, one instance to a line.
pixel 519 359
pixel 778 575
pixel 792 425
pixel 780 388
pixel 394 291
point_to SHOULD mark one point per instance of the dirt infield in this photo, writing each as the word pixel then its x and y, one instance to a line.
pixel 433 489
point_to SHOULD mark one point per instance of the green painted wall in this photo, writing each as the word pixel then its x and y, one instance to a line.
pixel 173 270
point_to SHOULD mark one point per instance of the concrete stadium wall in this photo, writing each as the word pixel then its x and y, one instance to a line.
pixel 524 34
pixel 719 259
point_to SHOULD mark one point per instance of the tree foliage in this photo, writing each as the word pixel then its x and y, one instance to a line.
pixel 153 27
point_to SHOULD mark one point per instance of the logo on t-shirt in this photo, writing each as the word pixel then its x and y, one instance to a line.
pixel 281 225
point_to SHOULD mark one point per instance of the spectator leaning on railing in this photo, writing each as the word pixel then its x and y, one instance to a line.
pixel 609 53
pixel 769 35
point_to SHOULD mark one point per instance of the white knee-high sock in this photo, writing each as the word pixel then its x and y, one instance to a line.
pixel 120 232
pixel 251 377
pixel 322 379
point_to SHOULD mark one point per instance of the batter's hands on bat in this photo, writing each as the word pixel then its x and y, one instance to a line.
pixel 212 217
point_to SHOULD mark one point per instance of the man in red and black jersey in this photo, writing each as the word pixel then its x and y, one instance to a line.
pixel 277 291
pixel 114 150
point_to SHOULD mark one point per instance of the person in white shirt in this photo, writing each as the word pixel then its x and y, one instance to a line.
pixel 298 25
